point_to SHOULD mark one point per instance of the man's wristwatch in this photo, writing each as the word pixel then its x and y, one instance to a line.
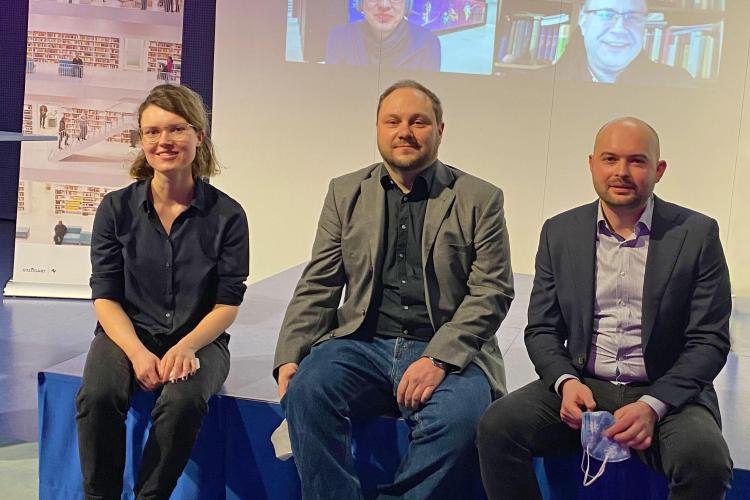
pixel 441 364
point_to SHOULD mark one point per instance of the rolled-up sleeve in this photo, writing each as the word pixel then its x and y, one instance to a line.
pixel 107 277
pixel 234 257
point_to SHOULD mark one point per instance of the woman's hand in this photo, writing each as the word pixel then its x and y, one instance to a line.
pixel 146 368
pixel 177 363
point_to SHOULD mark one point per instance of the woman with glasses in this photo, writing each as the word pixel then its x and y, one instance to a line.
pixel 169 257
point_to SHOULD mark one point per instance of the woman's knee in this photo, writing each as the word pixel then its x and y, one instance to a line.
pixel 94 395
pixel 180 404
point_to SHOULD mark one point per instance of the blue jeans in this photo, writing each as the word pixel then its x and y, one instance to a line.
pixel 349 378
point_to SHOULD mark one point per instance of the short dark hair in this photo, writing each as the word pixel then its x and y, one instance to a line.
pixel 437 107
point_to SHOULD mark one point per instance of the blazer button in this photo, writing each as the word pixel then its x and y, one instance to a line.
pixel 579 360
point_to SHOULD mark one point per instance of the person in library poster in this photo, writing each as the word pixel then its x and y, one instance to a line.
pixel 169 69
pixel 169 258
pixel 133 137
pixel 43 116
pixel 385 37
pixel 171 5
pixel 62 133
pixel 60 231
pixel 608 47
pixel 83 128
pixel 78 66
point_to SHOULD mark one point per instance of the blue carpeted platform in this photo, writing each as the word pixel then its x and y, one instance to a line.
pixel 233 457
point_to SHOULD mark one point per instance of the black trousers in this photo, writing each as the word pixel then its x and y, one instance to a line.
pixel 687 446
pixel 102 405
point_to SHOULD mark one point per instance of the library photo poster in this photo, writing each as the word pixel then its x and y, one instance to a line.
pixel 89 65
pixel 651 42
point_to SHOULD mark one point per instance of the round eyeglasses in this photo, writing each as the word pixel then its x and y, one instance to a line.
pixel 610 16
pixel 178 132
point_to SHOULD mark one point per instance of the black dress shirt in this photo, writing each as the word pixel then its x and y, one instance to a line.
pixel 399 308
pixel 167 283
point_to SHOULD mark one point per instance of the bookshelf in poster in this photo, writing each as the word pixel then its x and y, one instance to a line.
pixel 21 196
pixel 28 120
pixel 95 120
pixel 158 53
pixel 94 50
pixel 77 199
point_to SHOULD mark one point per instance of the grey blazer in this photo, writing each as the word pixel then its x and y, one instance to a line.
pixel 466 266
pixel 686 302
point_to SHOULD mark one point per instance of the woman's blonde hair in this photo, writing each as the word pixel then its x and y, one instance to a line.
pixel 184 102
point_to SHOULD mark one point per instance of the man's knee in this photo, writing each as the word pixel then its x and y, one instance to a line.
pixel 455 418
pixel 458 428
pixel 497 423
pixel 310 389
pixel 703 455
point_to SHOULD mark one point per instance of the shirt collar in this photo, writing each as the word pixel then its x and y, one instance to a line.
pixel 424 179
pixel 198 201
pixel 642 227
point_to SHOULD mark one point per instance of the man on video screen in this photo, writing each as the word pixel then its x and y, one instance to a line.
pixel 385 37
pixel 609 48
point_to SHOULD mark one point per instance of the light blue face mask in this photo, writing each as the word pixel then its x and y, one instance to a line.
pixel 596 445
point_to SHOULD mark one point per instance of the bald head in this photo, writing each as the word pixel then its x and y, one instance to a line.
pixel 625 167
pixel 632 124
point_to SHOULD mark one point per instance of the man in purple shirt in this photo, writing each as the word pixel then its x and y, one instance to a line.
pixel 629 313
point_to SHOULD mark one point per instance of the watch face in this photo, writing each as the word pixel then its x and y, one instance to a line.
pixel 439 364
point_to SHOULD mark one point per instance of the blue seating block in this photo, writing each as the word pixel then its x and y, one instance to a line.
pixel 233 458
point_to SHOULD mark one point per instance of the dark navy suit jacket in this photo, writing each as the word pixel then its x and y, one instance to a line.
pixel 686 302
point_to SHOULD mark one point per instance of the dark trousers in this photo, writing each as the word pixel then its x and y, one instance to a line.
pixel 102 404
pixel 687 445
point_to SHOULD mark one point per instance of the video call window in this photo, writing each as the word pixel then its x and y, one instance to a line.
pixel 430 35
pixel 661 42
pixel 651 42
pixel 438 16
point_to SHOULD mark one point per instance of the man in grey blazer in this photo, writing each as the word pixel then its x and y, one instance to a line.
pixel 629 313
pixel 421 250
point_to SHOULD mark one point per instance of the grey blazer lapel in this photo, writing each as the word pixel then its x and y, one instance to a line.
pixel 665 243
pixel 373 204
pixel 581 249
pixel 438 204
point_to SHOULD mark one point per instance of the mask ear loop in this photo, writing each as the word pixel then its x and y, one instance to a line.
pixel 588 479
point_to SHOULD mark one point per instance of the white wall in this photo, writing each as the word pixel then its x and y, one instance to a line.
pixel 284 129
